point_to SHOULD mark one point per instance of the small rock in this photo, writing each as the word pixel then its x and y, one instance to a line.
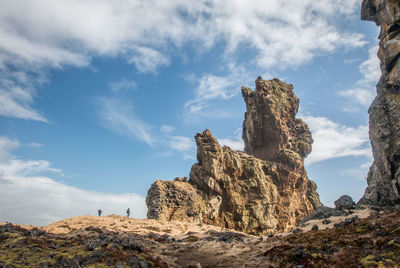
pixel 314 228
pixel 326 221
pixel 299 254
pixel 182 179
pixel 337 225
pixel 381 232
pixel 345 202
pixel 94 244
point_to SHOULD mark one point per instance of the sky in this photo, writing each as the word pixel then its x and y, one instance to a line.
pixel 98 98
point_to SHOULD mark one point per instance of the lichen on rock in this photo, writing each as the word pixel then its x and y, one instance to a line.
pixel 262 190
pixel 384 113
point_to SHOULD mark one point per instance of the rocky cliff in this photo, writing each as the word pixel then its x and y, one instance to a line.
pixel 238 190
pixel 384 113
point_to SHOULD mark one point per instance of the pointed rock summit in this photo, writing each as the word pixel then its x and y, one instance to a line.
pixel 384 113
pixel 270 127
pixel 262 190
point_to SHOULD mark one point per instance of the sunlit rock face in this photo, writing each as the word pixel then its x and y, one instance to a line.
pixel 384 113
pixel 262 190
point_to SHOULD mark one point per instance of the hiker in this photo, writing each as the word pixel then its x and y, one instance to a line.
pixel 128 212
pixel 99 212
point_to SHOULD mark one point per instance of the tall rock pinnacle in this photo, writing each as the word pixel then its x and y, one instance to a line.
pixel 264 190
pixel 270 127
pixel 384 113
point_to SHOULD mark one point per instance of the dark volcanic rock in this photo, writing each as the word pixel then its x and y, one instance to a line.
pixel 384 113
pixel 344 202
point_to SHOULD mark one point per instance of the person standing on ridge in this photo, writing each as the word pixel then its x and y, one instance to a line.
pixel 99 212
pixel 128 212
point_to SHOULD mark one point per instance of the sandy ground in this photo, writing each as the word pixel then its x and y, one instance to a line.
pixel 124 224
pixel 174 228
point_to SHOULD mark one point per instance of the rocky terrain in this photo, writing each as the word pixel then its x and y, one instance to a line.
pixel 211 219
pixel 355 240
pixel 384 113
pixel 262 190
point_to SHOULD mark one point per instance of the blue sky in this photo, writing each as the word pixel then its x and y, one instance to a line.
pixel 98 99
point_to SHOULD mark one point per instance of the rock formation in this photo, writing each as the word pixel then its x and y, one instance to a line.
pixel 384 114
pixel 270 128
pixel 236 189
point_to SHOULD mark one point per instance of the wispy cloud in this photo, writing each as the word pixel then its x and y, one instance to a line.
pixel 16 97
pixel 234 142
pixel 211 86
pixel 55 34
pixel 148 59
pixel 166 129
pixel 27 197
pixel 6 146
pixel 364 90
pixel 333 140
pixel 117 115
pixel 359 172
pixel 181 143
pixel 34 144
pixel 123 86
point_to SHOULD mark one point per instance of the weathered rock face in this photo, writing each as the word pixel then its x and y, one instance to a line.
pixel 384 113
pixel 271 130
pixel 236 190
pixel 270 127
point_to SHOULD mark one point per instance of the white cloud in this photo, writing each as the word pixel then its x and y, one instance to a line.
pixel 15 101
pixel 117 115
pixel 211 86
pixel 6 146
pixel 123 86
pixel 37 36
pixel 41 200
pixel 148 59
pixel 364 90
pixel 234 142
pixel 27 198
pixel 166 129
pixel 358 172
pixel 180 143
pixel 20 168
pixel 333 140
pixel 34 144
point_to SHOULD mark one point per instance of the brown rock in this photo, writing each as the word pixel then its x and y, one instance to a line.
pixel 272 132
pixel 173 200
pixel 270 127
pixel 384 113
pixel 236 190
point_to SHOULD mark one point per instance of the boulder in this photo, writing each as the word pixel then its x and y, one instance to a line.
pixel 344 202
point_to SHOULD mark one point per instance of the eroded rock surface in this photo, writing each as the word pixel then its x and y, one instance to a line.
pixel 236 189
pixel 384 113
pixel 271 130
